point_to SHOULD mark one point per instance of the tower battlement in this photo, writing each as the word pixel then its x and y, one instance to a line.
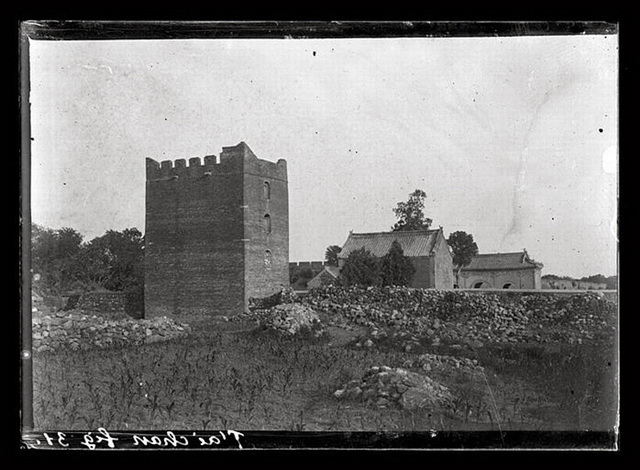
pixel 238 158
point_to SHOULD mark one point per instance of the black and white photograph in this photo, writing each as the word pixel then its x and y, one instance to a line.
pixel 249 234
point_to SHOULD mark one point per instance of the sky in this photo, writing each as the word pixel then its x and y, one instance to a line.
pixel 513 139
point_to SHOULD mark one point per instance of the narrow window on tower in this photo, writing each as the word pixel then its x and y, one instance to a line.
pixel 267 224
pixel 267 190
pixel 267 260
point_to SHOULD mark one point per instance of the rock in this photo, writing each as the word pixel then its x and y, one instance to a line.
pixel 413 399
pixel 339 393
pixel 382 402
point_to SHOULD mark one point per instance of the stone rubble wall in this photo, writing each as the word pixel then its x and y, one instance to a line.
pixel 131 303
pixel 79 331
pixel 454 316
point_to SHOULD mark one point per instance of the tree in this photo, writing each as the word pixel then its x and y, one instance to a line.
pixel 331 255
pixel 463 248
pixel 55 257
pixel 361 268
pixel 396 269
pixel 115 260
pixel 410 213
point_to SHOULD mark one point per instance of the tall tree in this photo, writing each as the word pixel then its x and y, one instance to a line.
pixel 361 268
pixel 331 254
pixel 396 269
pixel 410 213
pixel 463 249
pixel 55 256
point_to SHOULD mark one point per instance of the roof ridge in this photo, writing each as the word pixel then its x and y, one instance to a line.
pixel 404 232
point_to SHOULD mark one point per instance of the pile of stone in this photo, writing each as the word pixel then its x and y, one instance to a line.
pixel 385 387
pixel 80 331
pixel 473 318
pixel 287 318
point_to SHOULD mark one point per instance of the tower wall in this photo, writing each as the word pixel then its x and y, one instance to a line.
pixel 266 251
pixel 202 237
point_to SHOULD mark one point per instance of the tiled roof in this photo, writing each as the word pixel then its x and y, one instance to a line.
pixel 414 243
pixel 498 261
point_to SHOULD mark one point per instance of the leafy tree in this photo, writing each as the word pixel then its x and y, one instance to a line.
pixel 463 248
pixel 361 268
pixel 410 214
pixel 396 269
pixel 55 256
pixel 331 254
pixel 115 260
pixel 596 278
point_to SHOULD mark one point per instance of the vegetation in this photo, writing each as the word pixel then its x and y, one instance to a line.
pixel 410 214
pixel 331 255
pixel 463 249
pixel 361 268
pixel 395 268
pixel 299 277
pixel 610 281
pixel 228 376
pixel 63 262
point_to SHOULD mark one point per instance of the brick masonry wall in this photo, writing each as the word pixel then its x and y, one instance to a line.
pixel 194 251
pixel 205 233
pixel 266 253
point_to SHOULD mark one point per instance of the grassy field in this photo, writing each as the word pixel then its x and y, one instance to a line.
pixel 232 375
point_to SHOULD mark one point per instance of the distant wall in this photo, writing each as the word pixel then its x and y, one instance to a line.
pixel 314 265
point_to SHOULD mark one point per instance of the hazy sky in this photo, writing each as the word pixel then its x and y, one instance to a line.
pixel 514 140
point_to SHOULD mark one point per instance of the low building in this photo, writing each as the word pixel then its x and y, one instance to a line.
pixel 329 275
pixel 501 271
pixel 427 250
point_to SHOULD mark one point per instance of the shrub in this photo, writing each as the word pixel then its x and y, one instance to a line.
pixel 361 268
pixel 396 269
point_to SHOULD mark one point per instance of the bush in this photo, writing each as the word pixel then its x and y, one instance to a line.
pixel 396 269
pixel 361 268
